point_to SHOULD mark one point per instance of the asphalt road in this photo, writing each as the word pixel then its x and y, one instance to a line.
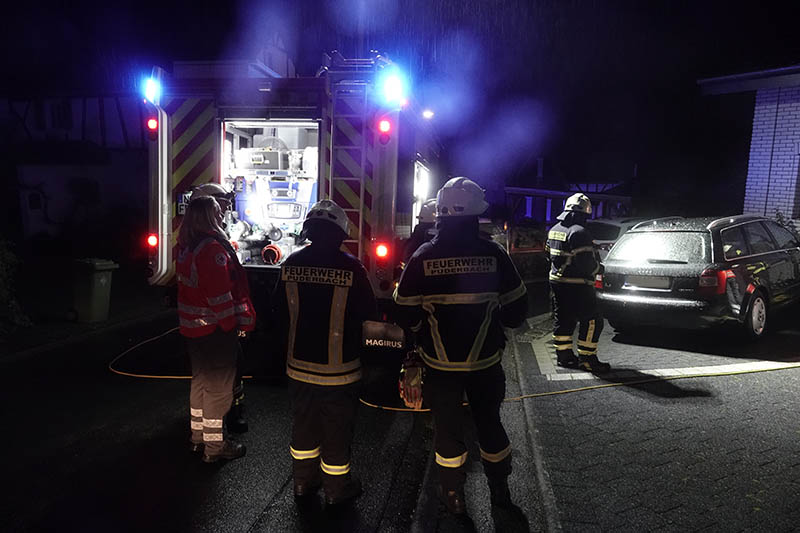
pixel 88 449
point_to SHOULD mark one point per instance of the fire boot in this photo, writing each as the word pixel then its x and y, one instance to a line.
pixel 566 359
pixel 499 493
pixel 590 363
pixel 230 451
pixel 235 419
pixel 453 500
pixel 350 491
pixel 303 489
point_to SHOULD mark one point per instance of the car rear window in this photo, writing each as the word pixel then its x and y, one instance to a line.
pixel 662 247
pixel 603 232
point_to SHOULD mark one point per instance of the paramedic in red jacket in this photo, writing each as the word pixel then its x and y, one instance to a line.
pixel 213 306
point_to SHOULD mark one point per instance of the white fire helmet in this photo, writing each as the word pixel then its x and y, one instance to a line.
pixel 460 197
pixel 427 212
pixel 329 211
pixel 577 203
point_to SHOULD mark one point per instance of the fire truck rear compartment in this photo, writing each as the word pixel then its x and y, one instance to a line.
pixel 272 168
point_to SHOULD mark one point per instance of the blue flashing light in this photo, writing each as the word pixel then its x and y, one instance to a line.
pixel 393 87
pixel 152 90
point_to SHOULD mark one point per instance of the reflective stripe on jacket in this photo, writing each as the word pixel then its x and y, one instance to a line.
pixel 212 290
pixel 573 256
pixel 464 292
pixel 322 299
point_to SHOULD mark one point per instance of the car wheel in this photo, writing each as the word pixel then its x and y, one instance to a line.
pixel 755 321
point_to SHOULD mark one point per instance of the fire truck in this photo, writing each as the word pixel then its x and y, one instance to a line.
pixel 279 144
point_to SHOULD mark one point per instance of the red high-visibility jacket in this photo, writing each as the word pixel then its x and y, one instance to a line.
pixel 212 290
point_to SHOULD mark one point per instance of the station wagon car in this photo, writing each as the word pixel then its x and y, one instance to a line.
pixel 698 272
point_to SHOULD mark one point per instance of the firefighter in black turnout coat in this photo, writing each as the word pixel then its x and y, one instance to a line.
pixel 573 266
pixel 322 299
pixel 457 292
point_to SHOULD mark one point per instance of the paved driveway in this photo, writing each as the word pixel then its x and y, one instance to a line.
pixel 646 449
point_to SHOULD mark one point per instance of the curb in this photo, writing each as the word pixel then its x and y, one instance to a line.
pixel 548 499
pixel 426 510
pixel 73 339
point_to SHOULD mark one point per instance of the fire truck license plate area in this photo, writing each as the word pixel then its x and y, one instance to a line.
pixel 272 169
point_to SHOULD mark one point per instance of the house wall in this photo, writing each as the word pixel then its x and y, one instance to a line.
pixel 772 175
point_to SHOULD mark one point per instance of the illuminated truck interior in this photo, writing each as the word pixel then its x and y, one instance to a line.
pixel 272 169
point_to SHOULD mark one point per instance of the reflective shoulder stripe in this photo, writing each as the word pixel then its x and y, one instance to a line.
pixel 557 235
pixel 221 299
pixel 512 295
pixel 480 338
pixel 293 302
pixel 451 462
pixel 336 326
pixel 433 325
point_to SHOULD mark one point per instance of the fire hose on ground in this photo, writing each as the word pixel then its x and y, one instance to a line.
pixel 510 399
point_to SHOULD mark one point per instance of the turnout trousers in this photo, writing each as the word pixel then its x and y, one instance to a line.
pixel 238 383
pixel 213 359
pixel 575 305
pixel 485 389
pixel 323 418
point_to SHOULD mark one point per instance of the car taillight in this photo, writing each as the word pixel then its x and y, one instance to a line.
pixel 713 281
pixel 598 281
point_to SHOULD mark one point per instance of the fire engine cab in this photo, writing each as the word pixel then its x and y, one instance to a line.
pixel 278 145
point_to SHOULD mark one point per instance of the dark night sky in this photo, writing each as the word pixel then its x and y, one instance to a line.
pixel 593 86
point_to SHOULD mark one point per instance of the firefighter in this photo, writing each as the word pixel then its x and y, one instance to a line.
pixel 322 298
pixel 423 231
pixel 573 265
pixel 235 420
pixel 213 306
pixel 458 291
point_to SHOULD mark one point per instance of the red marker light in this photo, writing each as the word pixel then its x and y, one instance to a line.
pixel 152 124
pixel 152 240
pixel 384 126
pixel 381 250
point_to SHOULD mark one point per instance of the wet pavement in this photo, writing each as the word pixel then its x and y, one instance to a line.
pixel 646 447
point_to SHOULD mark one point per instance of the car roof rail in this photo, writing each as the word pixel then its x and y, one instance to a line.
pixel 654 221
pixel 732 220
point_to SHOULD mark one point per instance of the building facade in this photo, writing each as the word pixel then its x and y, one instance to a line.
pixel 772 184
